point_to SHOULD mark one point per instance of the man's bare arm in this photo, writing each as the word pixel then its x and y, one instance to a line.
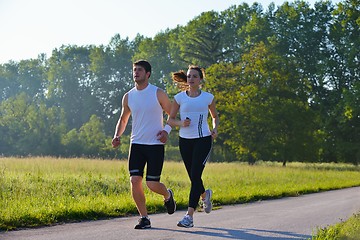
pixel 122 122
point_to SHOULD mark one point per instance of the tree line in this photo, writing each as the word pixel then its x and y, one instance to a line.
pixel 285 78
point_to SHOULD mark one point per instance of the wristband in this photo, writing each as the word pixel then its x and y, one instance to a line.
pixel 167 128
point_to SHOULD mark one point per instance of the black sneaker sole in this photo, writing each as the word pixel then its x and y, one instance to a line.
pixel 142 227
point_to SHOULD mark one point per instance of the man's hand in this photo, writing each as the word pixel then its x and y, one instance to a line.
pixel 162 136
pixel 115 142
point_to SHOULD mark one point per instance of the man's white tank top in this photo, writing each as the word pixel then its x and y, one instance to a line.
pixel 197 109
pixel 147 115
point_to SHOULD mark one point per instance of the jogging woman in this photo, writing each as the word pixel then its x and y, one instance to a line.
pixel 195 136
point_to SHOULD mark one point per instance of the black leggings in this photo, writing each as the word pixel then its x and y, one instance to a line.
pixel 195 153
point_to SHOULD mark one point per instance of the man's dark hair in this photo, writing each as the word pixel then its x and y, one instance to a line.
pixel 145 64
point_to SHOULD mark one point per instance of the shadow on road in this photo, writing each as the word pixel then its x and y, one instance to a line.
pixel 242 233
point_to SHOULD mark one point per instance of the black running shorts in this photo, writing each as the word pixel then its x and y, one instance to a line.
pixel 150 155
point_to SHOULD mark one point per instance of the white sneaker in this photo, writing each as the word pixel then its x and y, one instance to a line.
pixel 187 222
pixel 207 204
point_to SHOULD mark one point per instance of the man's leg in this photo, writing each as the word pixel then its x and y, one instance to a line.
pixel 168 195
pixel 155 161
pixel 158 188
pixel 155 156
pixel 138 195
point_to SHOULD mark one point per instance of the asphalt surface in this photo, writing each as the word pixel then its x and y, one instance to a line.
pixel 287 218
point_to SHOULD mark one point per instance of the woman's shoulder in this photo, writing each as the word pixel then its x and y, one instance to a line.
pixel 179 97
pixel 180 94
pixel 207 94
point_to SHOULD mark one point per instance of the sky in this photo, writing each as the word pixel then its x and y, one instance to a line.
pixel 31 27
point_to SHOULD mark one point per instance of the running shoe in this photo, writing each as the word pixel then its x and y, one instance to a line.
pixel 186 222
pixel 207 204
pixel 144 222
pixel 170 204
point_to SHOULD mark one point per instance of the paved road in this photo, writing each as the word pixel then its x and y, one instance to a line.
pixel 287 218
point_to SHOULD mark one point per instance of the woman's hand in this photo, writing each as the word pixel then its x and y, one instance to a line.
pixel 186 122
pixel 214 133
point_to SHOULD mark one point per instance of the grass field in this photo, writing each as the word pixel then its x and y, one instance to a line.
pixel 45 191
pixel 348 230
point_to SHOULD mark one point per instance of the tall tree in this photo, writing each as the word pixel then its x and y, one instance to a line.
pixel 90 140
pixel 9 80
pixel 234 19
pixel 29 127
pixel 25 76
pixel 200 40
pixel 110 69
pixel 259 103
pixel 157 52
pixel 342 111
pixel 257 27
pixel 71 84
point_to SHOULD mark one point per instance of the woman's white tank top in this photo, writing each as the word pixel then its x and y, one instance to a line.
pixel 197 109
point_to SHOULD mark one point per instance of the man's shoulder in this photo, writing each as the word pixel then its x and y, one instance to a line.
pixel 132 90
pixel 159 90
pixel 155 87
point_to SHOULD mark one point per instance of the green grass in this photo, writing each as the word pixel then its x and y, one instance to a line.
pixel 45 191
pixel 348 230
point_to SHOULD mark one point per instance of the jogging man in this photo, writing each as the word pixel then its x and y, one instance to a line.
pixel 145 103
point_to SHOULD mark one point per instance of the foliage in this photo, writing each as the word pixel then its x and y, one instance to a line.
pixel 285 80
pixel 345 230
pixel 30 127
pixel 258 114
pixel 90 140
